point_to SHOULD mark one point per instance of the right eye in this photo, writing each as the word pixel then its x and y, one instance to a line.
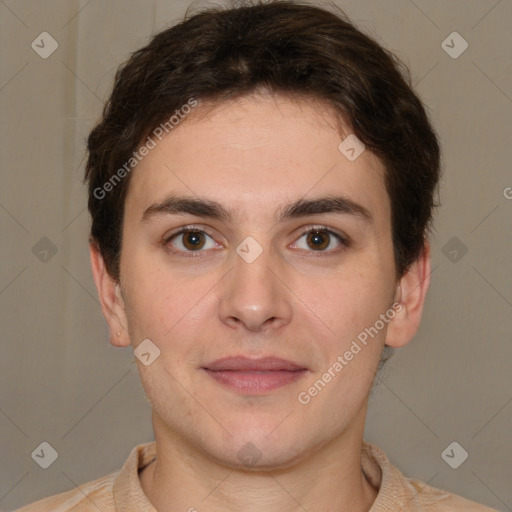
pixel 189 239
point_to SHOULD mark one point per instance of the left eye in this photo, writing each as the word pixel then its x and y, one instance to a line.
pixel 320 239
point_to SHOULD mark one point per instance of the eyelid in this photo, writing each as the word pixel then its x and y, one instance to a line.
pixel 187 228
pixel 327 229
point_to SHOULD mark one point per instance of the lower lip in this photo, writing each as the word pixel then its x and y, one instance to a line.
pixel 254 383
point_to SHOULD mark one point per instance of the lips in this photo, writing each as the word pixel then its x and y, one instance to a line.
pixel 244 364
pixel 254 376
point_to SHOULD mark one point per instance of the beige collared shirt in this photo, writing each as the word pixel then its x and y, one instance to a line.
pixel 121 491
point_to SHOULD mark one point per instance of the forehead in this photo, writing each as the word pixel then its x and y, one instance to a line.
pixel 254 154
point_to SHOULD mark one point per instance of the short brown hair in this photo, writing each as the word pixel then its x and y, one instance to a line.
pixel 284 47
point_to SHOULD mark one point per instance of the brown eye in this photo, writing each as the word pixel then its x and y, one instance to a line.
pixel 318 240
pixel 190 240
pixel 193 240
pixel 322 240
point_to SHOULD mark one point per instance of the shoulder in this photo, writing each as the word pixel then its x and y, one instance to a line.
pixel 438 500
pixel 118 487
pixel 397 492
pixel 87 497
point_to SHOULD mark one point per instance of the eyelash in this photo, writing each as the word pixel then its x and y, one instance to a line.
pixel 344 241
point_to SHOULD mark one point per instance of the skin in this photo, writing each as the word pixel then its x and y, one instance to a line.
pixel 254 155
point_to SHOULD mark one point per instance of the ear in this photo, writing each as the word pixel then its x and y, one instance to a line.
pixel 410 295
pixel 112 303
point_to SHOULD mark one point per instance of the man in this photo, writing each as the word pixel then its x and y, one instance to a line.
pixel 261 186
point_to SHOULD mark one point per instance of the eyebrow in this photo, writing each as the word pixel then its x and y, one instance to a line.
pixel 175 205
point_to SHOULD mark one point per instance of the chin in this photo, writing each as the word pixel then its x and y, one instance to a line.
pixel 258 446
pixel 256 456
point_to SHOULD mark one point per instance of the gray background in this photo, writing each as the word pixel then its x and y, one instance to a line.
pixel 60 380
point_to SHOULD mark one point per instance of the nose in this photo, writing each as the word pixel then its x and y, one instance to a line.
pixel 255 296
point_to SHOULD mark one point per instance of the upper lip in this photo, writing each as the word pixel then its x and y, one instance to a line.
pixel 242 363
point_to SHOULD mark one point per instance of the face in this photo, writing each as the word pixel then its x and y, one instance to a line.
pixel 265 270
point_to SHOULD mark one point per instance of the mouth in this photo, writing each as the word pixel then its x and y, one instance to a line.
pixel 254 376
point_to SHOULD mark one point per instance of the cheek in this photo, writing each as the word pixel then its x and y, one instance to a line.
pixel 350 300
pixel 150 300
pixel 161 304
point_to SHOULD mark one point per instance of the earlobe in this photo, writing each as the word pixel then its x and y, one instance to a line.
pixel 410 298
pixel 112 304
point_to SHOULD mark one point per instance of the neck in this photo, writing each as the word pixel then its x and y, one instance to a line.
pixel 330 478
